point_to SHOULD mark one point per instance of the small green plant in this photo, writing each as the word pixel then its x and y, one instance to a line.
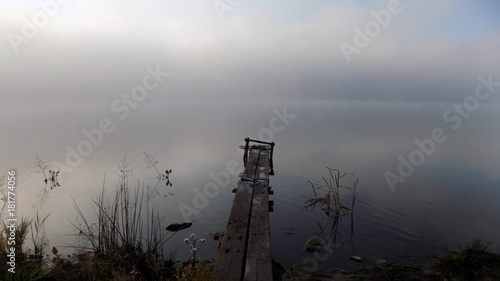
pixel 330 197
pixel 152 162
pixel 472 262
pixel 201 272
pixel 331 201
pixel 127 233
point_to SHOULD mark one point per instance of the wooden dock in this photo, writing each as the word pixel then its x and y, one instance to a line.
pixel 245 251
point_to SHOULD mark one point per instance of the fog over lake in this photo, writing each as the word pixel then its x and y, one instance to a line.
pixel 414 115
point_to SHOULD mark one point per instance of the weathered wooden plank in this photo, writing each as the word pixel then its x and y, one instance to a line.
pixel 232 252
pixel 252 163
pixel 257 167
pixel 258 265
pixel 245 247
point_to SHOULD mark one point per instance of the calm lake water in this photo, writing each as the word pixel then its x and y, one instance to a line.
pixel 451 197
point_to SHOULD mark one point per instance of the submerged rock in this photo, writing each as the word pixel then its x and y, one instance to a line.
pixel 314 244
pixel 357 258
pixel 382 262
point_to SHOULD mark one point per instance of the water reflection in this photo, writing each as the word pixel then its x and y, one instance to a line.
pixel 151 162
pixel 459 180
pixel 50 180
pixel 332 198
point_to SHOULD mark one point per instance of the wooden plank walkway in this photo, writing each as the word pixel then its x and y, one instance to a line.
pixel 245 251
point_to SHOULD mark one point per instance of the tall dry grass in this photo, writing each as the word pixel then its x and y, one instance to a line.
pixel 125 229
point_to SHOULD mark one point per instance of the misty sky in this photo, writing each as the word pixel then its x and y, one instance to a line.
pixel 90 52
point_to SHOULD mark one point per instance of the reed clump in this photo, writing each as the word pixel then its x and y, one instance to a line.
pixel 127 236
pixel 331 201
pixel 122 240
